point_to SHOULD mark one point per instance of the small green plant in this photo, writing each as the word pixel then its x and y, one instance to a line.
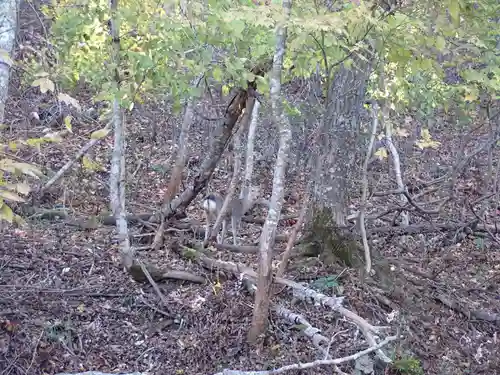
pixel 408 366
pixel 325 283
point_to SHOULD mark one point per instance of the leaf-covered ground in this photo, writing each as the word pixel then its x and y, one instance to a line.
pixel 66 304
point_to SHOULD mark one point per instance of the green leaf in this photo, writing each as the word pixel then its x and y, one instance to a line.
pixel 101 133
pixel 454 10
pixel 238 26
pixel 440 43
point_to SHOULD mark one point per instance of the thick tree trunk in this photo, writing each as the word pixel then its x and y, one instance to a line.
pixel 340 144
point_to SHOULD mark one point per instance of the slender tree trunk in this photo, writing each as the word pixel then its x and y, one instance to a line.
pixel 247 182
pixel 117 175
pixel 262 295
pixel 8 28
pixel 176 176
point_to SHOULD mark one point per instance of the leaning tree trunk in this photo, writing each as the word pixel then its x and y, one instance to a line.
pixel 338 149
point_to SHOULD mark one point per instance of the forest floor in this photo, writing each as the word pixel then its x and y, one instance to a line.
pixel 66 305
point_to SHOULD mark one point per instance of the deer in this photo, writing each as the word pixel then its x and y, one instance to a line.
pixel 238 207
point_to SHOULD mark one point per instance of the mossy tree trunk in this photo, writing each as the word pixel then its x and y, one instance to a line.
pixel 335 172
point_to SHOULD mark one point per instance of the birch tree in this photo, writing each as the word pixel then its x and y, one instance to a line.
pixel 261 307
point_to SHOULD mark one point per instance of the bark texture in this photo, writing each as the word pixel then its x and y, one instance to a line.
pixel 262 295
pixel 8 28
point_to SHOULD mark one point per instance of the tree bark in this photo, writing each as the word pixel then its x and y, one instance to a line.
pixel 261 307
pixel 8 28
pixel 339 145
pixel 117 174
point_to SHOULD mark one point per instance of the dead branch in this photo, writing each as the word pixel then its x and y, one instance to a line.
pixel 299 291
pixel 146 273
pixel 240 248
pixel 317 363
pixel 98 373
pixel 477 314
pixel 292 238
pixel 222 136
pixel 157 275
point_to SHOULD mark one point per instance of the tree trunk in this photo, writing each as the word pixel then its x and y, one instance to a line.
pixel 8 28
pixel 261 307
pixel 340 143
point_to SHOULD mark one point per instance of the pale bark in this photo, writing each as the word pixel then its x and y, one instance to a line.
pixel 117 173
pixel 267 238
pixel 390 145
pixel 8 28
pixel 314 364
pixel 176 177
pixel 364 195
pixel 396 163
pixel 249 159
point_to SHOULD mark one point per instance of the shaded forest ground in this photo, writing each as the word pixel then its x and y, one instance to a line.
pixel 66 304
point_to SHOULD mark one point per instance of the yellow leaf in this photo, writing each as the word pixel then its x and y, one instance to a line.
pixel 381 153
pixel 5 58
pixel 81 308
pixel 45 84
pixel 87 163
pixel 99 134
pixel 13 146
pixel 67 122
pixel 6 213
pixel 470 97
pixel 10 196
pixel 225 90
pixel 65 98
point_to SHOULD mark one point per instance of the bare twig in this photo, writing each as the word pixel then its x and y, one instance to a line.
pixel 291 239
